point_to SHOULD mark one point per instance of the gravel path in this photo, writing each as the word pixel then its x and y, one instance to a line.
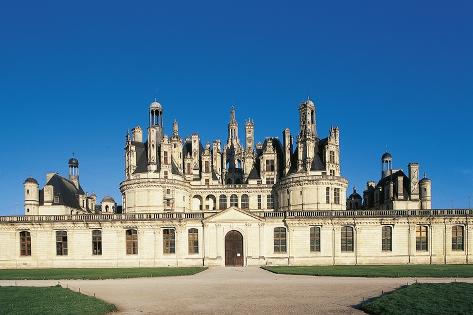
pixel 248 290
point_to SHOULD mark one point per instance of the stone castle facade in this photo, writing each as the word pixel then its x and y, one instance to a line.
pixel 235 203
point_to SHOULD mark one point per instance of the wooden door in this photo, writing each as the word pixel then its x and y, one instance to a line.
pixel 234 249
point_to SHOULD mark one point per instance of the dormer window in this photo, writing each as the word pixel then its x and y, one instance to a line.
pixel 56 199
pixel 269 165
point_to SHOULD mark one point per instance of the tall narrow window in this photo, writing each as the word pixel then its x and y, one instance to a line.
pixel 233 201
pixel 280 240
pixel 131 242
pixel 223 202
pixel 315 238
pixel 332 156
pixel 245 202
pixel 61 243
pixel 166 159
pixel 188 168
pixel 347 239
pixel 207 167
pixel 269 165
pixel 387 238
pixel 327 195
pixel 422 238
pixel 169 241
pixel 96 242
pixel 336 196
pixel 25 243
pixel 270 202
pixel 259 203
pixel 193 241
pixel 458 238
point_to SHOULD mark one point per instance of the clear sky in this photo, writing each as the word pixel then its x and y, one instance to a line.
pixel 75 75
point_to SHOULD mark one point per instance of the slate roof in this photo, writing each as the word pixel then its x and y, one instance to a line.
pixel 66 190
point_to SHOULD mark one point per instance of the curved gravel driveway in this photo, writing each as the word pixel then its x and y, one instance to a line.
pixel 248 290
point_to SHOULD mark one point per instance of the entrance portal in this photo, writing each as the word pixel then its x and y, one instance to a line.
pixel 234 249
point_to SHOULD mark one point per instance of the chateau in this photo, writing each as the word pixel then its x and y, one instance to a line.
pixel 238 203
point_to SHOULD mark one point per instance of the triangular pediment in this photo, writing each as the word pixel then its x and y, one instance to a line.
pixel 233 215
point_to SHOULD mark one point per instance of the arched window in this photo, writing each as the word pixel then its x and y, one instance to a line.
pixel 193 241
pixel 422 238
pixel 197 203
pixel 387 238
pixel 280 240
pixel 245 202
pixel 169 241
pixel 106 208
pixel 223 202
pixel 61 243
pixel 131 242
pixel 96 242
pixel 315 238
pixel 25 243
pixel 458 238
pixel 233 201
pixel 210 202
pixel 347 239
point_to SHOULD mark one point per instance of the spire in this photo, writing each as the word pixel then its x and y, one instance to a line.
pixel 232 115
pixel 175 128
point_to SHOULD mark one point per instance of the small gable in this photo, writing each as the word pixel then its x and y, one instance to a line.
pixel 233 215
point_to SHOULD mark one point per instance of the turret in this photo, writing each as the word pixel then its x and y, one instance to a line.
pixel 425 186
pixel 386 164
pixel 155 134
pixel 307 140
pixel 233 128
pixel 249 135
pixel 31 189
pixel 74 171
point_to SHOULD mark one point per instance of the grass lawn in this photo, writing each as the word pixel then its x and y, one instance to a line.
pixel 445 298
pixel 95 273
pixel 397 271
pixel 52 300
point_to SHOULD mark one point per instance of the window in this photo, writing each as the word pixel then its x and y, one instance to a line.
pixel 233 201
pixel 165 174
pixel 259 202
pixel 245 202
pixel 131 242
pixel 422 239
pixel 193 241
pixel 332 157
pixel 25 243
pixel 96 242
pixel 327 195
pixel 223 202
pixel 207 167
pixel 169 241
pixel 207 182
pixel 315 238
pixel 56 199
pixel 61 243
pixel 270 181
pixel 457 238
pixel 188 168
pixel 166 159
pixel 332 172
pixel 168 191
pixel 269 165
pixel 280 240
pixel 336 196
pixel 347 239
pixel 270 202
pixel 387 238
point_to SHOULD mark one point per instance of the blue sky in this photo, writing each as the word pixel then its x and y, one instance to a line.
pixel 74 76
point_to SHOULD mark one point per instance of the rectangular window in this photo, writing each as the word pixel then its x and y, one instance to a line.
pixel 96 242
pixel 193 241
pixel 56 199
pixel 332 172
pixel 259 202
pixel 327 195
pixel 207 167
pixel 131 242
pixel 188 168
pixel 166 175
pixel 280 240
pixel 315 239
pixel 25 243
pixel 387 239
pixel 336 196
pixel 269 165
pixel 270 181
pixel 207 182
pixel 61 243
pixel 270 202
pixel 347 239
pixel 169 241
pixel 332 157
pixel 166 159
pixel 457 238
pixel 422 238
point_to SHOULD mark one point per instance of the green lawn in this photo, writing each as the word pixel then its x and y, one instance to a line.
pixel 52 300
pixel 94 273
pixel 397 271
pixel 445 298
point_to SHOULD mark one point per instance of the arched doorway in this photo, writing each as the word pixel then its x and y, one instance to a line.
pixel 234 249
